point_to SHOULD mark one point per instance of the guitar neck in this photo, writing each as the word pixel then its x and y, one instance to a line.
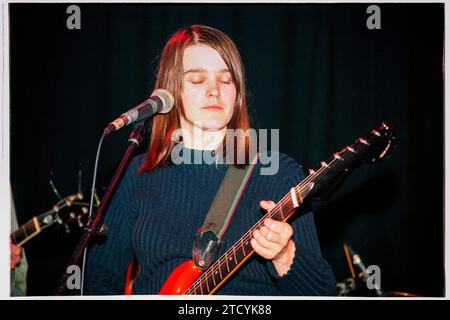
pixel 26 232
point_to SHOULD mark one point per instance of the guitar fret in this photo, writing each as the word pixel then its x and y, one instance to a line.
pixel 363 141
pixel 281 212
pixel 220 272
pixel 214 279
pixel 228 268
pixel 234 255
pixel 243 249
pixel 249 247
pixel 207 286
pixel 294 198
pixel 24 230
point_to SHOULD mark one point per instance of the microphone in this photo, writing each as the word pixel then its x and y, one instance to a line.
pixel 160 101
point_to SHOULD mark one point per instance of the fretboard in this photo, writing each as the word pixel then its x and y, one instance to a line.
pixel 26 232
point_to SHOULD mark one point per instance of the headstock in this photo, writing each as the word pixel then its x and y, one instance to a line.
pixel 331 173
pixel 68 210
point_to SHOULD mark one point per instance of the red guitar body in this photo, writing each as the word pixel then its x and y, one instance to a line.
pixel 181 278
pixel 178 282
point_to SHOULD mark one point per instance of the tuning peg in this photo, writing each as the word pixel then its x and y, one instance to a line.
pixel 67 229
pixel 363 141
pixel 349 148
pixel 336 156
pixel 375 132
pixel 58 219
pixel 80 223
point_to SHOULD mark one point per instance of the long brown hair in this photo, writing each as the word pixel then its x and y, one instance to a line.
pixel 170 77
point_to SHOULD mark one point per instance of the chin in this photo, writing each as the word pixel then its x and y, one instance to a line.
pixel 213 124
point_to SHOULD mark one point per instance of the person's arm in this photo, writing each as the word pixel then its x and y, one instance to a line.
pixel 109 257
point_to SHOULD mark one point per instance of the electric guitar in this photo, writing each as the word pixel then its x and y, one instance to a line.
pixel 189 279
pixel 65 211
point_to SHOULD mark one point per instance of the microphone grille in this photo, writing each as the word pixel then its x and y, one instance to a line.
pixel 166 98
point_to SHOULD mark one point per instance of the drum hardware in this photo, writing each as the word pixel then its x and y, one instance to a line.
pixel 357 285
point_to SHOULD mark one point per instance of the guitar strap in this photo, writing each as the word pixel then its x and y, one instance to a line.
pixel 208 239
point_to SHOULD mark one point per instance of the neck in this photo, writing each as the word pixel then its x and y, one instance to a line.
pixel 195 137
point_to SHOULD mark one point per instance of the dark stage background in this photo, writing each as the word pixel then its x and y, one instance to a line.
pixel 316 72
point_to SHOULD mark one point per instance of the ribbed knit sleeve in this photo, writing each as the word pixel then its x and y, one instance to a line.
pixel 110 254
pixel 309 273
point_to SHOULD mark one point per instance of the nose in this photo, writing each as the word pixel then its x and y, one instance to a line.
pixel 213 89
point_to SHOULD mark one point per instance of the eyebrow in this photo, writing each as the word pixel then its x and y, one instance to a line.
pixel 201 70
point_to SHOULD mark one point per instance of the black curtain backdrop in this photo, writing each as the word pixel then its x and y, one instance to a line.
pixel 316 72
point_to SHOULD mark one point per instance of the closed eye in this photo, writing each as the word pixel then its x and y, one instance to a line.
pixel 196 82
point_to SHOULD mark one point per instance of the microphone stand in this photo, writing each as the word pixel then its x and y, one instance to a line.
pixel 95 225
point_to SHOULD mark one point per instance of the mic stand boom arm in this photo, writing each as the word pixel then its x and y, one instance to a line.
pixel 95 224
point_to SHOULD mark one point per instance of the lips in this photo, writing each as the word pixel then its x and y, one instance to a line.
pixel 213 108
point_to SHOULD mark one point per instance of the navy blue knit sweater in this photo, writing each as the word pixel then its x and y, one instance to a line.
pixel 154 218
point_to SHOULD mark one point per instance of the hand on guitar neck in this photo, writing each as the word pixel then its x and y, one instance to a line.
pixel 273 241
